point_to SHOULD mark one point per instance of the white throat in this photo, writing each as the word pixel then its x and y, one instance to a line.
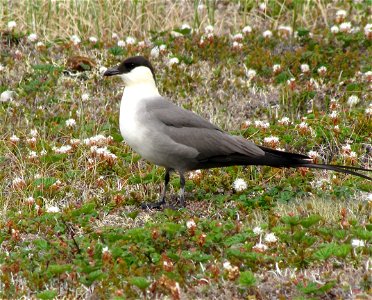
pixel 139 85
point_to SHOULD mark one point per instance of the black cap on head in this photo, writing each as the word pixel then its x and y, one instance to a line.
pixel 128 65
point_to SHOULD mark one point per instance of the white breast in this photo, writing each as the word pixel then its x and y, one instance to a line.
pixel 133 131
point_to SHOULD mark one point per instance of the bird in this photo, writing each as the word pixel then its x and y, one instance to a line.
pixel 181 141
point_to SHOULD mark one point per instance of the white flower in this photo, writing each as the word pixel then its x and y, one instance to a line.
pixel 14 139
pixel 30 200
pixel 357 243
pixel 98 140
pixel 33 132
pixel 105 250
pixel 313 154
pixel 261 124
pixel 291 81
pixel 190 224
pixel 270 238
pixel 155 52
pixel 369 111
pixel 276 68
pixel 353 154
pixel 53 209
pixel 75 142
pixel 251 74
pixel 130 40
pixel 102 70
pixel 142 44
pixel 2 68
pixel 333 115
pixel 75 40
pixel 32 155
pixel 260 247
pixel 121 43
pixel 341 13
pixel 43 152
pixel 70 122
pixel 368 31
pixel 186 26
pixel 286 30
pixel 194 174
pixel 12 25
pixel 237 46
pixel 284 121
pixel 18 181
pixel 209 29
pixel 305 68
pixel 303 125
pixel 40 45
pixel 93 39
pixel 114 36
pixel 31 141
pixel 173 61
pixel 271 140
pixel 247 30
pixel 238 37
pixel 257 230
pixel 262 6
pixel 7 96
pixel 367 75
pixel 239 185
pixel 346 148
pixel 345 27
pixel 353 100
pixel 63 149
pixel 32 37
pixel 201 7
pixel 322 70
pixel 247 123
pixel 85 96
pixel 227 265
pixel 369 197
pixel 335 29
pixel 267 34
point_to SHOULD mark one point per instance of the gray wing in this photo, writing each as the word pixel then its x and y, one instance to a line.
pixel 187 128
pixel 172 115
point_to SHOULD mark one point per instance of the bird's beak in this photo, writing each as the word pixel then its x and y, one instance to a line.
pixel 112 71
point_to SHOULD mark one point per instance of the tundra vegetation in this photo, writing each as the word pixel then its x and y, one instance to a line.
pixel 293 75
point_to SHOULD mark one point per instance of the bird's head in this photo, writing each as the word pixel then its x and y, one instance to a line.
pixel 134 70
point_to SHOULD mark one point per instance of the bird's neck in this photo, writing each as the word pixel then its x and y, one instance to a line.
pixel 141 90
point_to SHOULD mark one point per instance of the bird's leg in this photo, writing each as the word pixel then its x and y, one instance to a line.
pixel 182 190
pixel 161 201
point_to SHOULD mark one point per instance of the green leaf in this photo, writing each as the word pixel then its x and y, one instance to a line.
pixel 292 221
pixel 59 269
pixel 325 252
pixel 315 288
pixel 342 250
pixel 140 282
pixel 47 294
pixel 310 221
pixel 46 182
pixel 196 256
pixel 41 244
pixel 247 279
pixel 116 51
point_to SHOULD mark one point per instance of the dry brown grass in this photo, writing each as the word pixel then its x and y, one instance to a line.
pixel 62 18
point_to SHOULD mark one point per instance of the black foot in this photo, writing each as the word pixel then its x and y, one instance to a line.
pixel 157 205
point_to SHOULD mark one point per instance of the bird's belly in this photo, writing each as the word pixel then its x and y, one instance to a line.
pixel 140 139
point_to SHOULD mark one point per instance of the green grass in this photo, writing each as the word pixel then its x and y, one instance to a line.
pixel 71 223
